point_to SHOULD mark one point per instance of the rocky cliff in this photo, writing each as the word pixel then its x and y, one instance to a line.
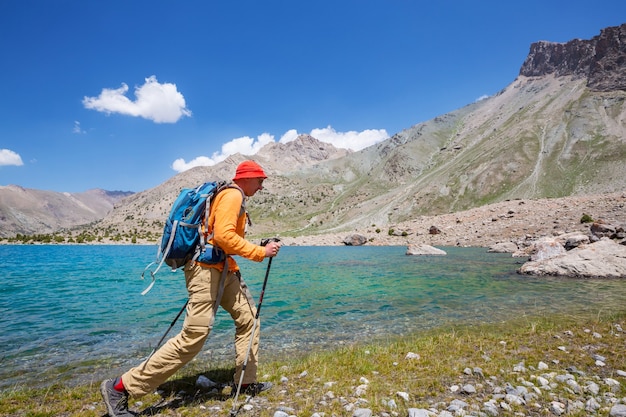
pixel 599 60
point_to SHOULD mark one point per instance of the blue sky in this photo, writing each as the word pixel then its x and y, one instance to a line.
pixel 122 95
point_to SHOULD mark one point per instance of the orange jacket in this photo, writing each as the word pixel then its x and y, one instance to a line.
pixel 228 223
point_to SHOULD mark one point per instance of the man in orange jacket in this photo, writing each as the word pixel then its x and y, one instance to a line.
pixel 228 221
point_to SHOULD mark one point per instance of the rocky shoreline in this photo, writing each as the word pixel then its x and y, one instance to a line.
pixel 507 221
pixel 577 236
pixel 555 385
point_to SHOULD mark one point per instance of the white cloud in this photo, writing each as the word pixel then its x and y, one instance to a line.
pixel 161 103
pixel 244 145
pixel 77 128
pixel 481 98
pixel 289 135
pixel 8 157
pixel 250 146
pixel 350 140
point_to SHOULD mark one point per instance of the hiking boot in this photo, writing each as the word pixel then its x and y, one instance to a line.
pixel 256 388
pixel 116 402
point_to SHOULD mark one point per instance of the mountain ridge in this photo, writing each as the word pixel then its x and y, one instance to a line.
pixel 30 211
pixel 557 130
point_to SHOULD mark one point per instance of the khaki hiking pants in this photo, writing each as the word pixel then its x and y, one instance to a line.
pixel 202 284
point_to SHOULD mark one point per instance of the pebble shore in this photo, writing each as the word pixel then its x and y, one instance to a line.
pixel 551 388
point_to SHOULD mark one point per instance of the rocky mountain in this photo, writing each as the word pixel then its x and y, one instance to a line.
pixel 559 129
pixel 28 211
pixel 148 209
pixel 600 60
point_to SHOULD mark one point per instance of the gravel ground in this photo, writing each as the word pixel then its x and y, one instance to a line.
pixel 508 221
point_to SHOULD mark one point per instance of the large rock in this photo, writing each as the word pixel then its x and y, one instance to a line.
pixel 547 248
pixel 424 250
pixel 355 240
pixel 602 259
pixel 503 247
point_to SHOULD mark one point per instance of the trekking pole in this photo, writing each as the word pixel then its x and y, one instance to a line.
pixel 264 242
pixel 167 331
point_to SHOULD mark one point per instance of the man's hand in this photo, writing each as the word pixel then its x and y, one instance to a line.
pixel 272 246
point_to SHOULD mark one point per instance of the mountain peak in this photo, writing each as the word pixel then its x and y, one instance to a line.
pixel 303 151
pixel 601 60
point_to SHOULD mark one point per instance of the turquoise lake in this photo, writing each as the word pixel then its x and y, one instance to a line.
pixel 75 313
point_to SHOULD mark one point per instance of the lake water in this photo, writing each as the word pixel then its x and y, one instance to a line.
pixel 75 313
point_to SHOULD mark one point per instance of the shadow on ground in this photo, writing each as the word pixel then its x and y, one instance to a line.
pixel 184 392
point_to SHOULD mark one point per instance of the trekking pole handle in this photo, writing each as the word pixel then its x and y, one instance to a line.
pixel 264 242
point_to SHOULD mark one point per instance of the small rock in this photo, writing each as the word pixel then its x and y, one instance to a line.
pixel 592 388
pixel 490 408
pixel 514 399
pixel 543 382
pixel 434 230
pixel 205 382
pixel 403 395
pixel 557 408
pixel 574 386
pixel 362 412
pixel 424 250
pixel 520 367
pixel 592 405
pixel 360 390
pixel 418 412
pixel 468 389
pixel 618 410
pixel 412 355
pixel 613 384
pixel 456 406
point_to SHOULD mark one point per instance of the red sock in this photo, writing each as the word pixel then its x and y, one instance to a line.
pixel 118 385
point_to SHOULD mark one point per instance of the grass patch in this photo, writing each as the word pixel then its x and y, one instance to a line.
pixel 329 382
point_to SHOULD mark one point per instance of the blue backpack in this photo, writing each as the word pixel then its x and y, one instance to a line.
pixel 183 238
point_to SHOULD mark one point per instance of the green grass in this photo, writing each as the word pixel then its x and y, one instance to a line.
pixel 303 383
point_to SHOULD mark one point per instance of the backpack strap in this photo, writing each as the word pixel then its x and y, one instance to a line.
pixel 220 293
pixel 204 235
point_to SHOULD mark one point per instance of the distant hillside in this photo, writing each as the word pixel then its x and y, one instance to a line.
pixel 28 211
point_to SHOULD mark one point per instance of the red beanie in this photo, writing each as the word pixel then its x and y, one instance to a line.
pixel 249 169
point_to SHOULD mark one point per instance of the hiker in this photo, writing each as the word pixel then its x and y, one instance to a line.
pixel 228 220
